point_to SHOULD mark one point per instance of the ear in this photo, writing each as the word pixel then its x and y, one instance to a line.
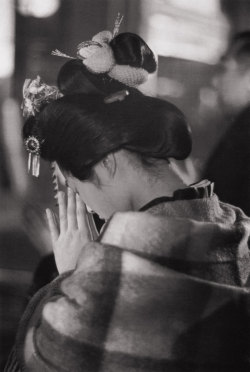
pixel 109 163
pixel 106 169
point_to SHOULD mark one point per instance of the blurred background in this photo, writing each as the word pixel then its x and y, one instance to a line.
pixel 188 36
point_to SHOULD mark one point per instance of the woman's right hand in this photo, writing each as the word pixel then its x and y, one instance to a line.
pixel 73 232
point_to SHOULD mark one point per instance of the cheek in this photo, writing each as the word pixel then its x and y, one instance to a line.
pixel 97 201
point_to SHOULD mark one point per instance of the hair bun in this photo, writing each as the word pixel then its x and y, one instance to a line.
pixel 130 49
pixel 74 78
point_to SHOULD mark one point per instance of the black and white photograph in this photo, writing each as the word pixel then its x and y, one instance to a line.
pixel 124 185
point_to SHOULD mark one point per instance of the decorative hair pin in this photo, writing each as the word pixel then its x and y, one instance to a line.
pixel 35 94
pixel 55 184
pixel 118 22
pixel 117 96
pixel 33 146
pixel 98 57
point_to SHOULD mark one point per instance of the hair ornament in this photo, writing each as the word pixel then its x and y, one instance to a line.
pixel 98 57
pixel 57 53
pixel 54 170
pixel 118 22
pixel 33 147
pixel 117 96
pixel 130 76
pixel 35 94
pixel 97 54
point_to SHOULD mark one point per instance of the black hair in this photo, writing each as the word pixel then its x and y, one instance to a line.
pixel 77 131
pixel 128 49
pixel 80 129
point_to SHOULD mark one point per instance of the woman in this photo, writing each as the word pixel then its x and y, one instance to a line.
pixel 163 288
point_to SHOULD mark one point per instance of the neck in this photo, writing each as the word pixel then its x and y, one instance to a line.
pixel 147 188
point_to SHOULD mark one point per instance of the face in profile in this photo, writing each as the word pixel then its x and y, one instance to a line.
pixel 105 193
pixel 233 85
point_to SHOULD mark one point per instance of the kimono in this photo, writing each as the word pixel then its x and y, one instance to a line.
pixel 163 289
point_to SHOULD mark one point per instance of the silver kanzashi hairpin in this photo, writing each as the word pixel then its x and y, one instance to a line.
pixel 118 22
pixel 96 54
pixel 35 94
pixel 57 53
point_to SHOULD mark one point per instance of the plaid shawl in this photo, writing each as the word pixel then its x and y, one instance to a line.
pixel 158 292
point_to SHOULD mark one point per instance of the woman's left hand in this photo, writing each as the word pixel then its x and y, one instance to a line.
pixel 73 232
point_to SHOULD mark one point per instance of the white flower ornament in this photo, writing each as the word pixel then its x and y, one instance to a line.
pixel 97 54
pixel 98 57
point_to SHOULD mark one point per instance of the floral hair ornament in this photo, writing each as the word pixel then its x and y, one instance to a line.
pixel 98 57
pixel 35 94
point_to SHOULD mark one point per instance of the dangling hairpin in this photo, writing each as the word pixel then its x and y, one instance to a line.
pixel 33 146
pixel 35 94
pixel 55 184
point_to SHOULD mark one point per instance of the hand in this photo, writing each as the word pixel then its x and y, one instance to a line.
pixel 73 232
pixel 36 228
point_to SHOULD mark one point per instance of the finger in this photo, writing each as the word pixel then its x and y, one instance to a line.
pixel 71 210
pixel 82 217
pixel 62 211
pixel 82 220
pixel 53 228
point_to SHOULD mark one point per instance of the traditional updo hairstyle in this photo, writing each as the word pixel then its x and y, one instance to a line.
pixel 128 49
pixel 80 129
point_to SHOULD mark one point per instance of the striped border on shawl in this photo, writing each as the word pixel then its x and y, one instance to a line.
pixel 82 350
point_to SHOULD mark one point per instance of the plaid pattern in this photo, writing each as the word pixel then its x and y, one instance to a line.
pixel 158 292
